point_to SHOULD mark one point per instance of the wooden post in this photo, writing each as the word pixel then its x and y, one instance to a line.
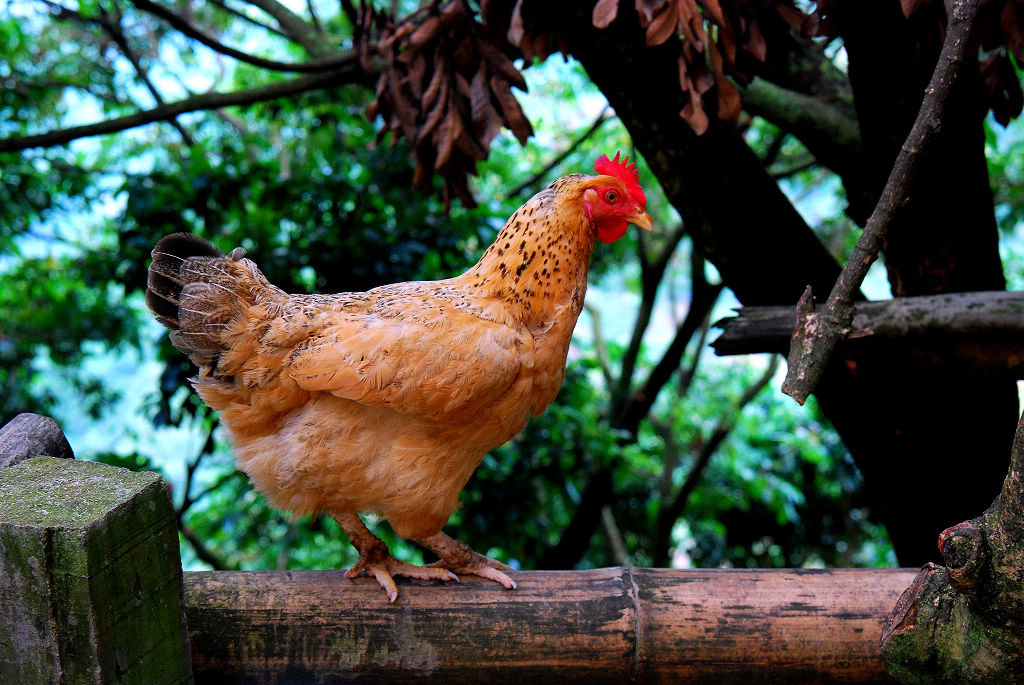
pixel 90 576
pixel 610 625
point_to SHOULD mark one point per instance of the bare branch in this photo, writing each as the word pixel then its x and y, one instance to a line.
pixel 671 512
pixel 204 553
pixel 615 539
pixel 114 29
pixel 817 333
pixel 543 174
pixel 651 277
pixel 245 17
pixel 603 359
pixel 302 33
pixel 324 63
pixel 352 72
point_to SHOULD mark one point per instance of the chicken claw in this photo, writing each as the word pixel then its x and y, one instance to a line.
pixel 376 560
pixel 383 569
pixel 460 558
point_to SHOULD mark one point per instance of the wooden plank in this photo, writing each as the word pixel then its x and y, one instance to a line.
pixel 977 332
pixel 606 625
pixel 31 435
pixel 90 576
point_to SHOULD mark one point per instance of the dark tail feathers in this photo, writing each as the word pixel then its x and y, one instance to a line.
pixel 163 289
pixel 195 290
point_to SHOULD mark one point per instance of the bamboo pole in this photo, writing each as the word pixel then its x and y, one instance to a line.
pixel 608 625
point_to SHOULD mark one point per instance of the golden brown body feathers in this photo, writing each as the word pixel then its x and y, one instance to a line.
pixel 386 400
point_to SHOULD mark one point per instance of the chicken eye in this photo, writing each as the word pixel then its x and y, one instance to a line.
pixel 611 197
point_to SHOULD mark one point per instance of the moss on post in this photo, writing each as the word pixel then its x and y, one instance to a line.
pixel 90 576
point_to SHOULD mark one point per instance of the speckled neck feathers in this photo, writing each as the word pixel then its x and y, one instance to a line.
pixel 538 263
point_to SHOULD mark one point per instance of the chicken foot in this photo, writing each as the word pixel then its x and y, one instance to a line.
pixel 375 559
pixel 460 558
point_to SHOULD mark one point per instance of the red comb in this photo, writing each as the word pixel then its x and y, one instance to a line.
pixel 625 172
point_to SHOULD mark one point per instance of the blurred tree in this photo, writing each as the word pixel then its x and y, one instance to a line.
pixel 269 148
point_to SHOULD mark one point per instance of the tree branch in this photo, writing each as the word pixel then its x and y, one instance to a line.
pixel 324 63
pixel 114 29
pixel 541 175
pixel 640 402
pixel 245 17
pixel 350 72
pixel 603 359
pixel 292 24
pixel 651 275
pixel 668 515
pixel 817 333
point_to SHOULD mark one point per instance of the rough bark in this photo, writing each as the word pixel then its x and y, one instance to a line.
pixel 962 622
pixel 966 333
pixel 609 625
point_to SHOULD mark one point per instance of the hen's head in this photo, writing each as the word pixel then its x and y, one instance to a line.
pixel 615 199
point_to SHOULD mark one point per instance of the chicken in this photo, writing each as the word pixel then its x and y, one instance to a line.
pixel 386 401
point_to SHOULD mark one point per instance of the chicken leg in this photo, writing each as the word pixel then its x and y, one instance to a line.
pixel 460 558
pixel 376 560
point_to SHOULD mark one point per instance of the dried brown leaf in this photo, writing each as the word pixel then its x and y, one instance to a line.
pixel 447 132
pixel 437 112
pixel 486 120
pixel 694 115
pixel 605 12
pixel 691 22
pixel 405 112
pixel 516 32
pixel 647 9
pixel 664 25
pixel 729 105
pixel 1002 87
pixel 713 10
pixel 701 78
pixel 727 43
pixel 416 76
pixel 515 120
pixel 754 42
pixel 426 33
pixel 684 74
pixel 796 19
pixel 462 87
pixel 430 95
pixel 502 65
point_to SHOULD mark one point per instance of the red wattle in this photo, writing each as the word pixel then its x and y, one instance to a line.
pixel 610 231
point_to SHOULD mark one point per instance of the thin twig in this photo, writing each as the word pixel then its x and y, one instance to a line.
pixel 651 276
pixel 817 333
pixel 321 64
pixel 603 358
pixel 703 299
pixel 544 173
pixel 245 17
pixel 615 540
pixel 296 28
pixel 212 100
pixel 671 512
pixel 114 29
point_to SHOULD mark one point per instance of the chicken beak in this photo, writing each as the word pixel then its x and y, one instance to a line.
pixel 640 219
